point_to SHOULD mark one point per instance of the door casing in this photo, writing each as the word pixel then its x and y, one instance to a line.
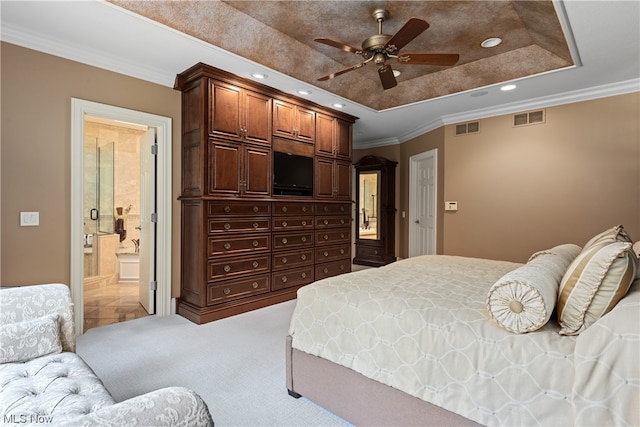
pixel 163 125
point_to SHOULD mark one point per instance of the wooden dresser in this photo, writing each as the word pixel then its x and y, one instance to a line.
pixel 242 246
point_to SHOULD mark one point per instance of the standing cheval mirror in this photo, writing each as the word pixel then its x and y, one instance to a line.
pixel 376 211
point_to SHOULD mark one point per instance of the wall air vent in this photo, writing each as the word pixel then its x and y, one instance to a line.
pixel 529 118
pixel 465 128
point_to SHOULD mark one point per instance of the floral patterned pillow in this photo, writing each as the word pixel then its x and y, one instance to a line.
pixel 23 341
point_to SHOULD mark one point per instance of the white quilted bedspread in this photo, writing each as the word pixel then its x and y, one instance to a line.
pixel 420 325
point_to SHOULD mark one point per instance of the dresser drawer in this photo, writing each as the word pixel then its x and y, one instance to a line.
pixel 333 236
pixel 238 225
pixel 292 259
pixel 284 208
pixel 332 268
pixel 332 221
pixel 292 223
pixel 238 288
pixel 238 266
pixel 290 278
pixel 333 209
pixel 303 239
pixel 224 208
pixel 369 252
pixel 237 245
pixel 333 253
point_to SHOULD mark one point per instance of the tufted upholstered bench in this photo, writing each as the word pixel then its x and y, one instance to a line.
pixel 43 381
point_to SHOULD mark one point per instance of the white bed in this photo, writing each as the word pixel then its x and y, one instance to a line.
pixel 421 329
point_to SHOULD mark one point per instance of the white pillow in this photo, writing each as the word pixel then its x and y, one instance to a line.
pixel 523 300
pixel 23 341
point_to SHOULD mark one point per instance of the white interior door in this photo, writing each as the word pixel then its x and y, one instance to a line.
pixel 423 191
pixel 147 226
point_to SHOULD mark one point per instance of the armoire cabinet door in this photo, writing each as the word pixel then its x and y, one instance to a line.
pixel 257 118
pixel 225 111
pixel 257 172
pixel 224 167
pixel 325 135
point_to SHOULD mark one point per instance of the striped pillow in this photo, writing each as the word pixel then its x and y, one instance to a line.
pixel 593 284
pixel 615 234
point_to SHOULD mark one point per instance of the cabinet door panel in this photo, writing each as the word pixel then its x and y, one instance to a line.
pixel 305 124
pixel 323 178
pixel 257 121
pixel 343 139
pixel 324 135
pixel 283 119
pixel 224 116
pixel 258 171
pixel 342 180
pixel 225 159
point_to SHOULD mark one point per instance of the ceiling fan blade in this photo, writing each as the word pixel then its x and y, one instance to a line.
pixel 339 45
pixel 429 58
pixel 386 77
pixel 412 29
pixel 346 70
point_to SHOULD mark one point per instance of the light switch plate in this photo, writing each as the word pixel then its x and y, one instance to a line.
pixel 29 219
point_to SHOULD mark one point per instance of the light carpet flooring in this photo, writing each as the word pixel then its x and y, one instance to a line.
pixel 236 364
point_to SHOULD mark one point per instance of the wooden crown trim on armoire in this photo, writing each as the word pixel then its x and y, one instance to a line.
pixel 266 194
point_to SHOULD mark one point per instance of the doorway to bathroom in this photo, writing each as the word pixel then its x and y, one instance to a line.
pixel 114 200
pixel 120 214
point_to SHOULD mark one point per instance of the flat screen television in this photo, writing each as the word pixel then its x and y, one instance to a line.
pixel 292 175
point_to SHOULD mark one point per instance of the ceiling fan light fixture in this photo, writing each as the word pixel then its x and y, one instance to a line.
pixel 491 42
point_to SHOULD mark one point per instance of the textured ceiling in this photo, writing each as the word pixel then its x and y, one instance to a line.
pixel 279 35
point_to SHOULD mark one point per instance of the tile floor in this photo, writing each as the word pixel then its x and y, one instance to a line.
pixel 109 303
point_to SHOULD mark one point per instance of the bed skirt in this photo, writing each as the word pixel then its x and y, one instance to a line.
pixel 358 399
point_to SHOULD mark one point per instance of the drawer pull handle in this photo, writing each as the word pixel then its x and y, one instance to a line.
pixel 303 275
pixel 254 285
pixel 284 224
pixel 227 209
pixel 284 240
pixel 255 264
pixel 227 245
pixel 304 209
pixel 326 270
pixel 326 254
pixel 304 223
pixel 342 221
pixel 326 208
pixel 256 225
pixel 341 266
pixel 326 222
pixel 227 268
pixel 284 279
pixel 303 257
pixel 284 259
pixel 255 209
pixel 255 243
pixel 226 291
pixel 341 208
pixel 303 238
pixel 326 237
pixel 227 226
pixel 284 209
pixel 341 251
pixel 375 252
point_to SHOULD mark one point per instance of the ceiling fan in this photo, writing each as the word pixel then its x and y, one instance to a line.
pixel 380 47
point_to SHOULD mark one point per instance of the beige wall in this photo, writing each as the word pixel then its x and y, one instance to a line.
pixel 524 189
pixel 35 171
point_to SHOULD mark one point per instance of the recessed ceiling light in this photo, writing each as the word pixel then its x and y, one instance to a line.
pixel 304 92
pixel 338 105
pixel 481 93
pixel 396 73
pixel 491 42
pixel 260 76
pixel 508 87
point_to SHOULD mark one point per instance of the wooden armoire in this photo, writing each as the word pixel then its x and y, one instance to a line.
pixel 246 242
